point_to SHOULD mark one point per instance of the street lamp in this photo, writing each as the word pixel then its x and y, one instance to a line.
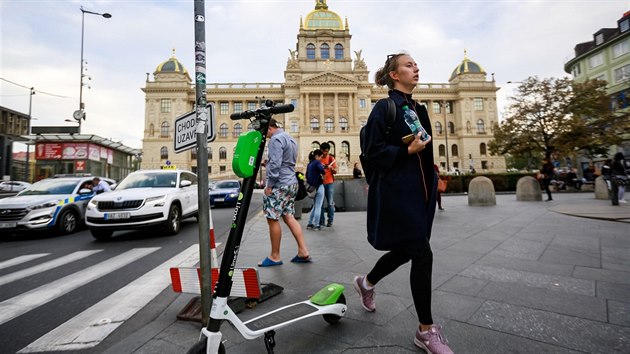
pixel 28 131
pixel 79 114
pixel 446 135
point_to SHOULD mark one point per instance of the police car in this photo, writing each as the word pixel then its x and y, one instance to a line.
pixel 53 204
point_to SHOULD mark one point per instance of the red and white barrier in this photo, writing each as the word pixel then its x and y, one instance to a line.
pixel 244 281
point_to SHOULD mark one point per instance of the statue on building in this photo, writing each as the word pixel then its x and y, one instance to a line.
pixel 292 62
pixel 359 63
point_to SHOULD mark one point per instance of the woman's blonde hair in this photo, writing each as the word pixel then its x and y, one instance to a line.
pixel 382 77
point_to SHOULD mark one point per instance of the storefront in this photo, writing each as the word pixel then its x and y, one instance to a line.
pixel 82 154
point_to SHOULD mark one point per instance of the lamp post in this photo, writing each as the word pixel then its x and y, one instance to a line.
pixel 446 135
pixel 80 113
pixel 28 131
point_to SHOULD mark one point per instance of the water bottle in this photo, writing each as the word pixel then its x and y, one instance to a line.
pixel 412 120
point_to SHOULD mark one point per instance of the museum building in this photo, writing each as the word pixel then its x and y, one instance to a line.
pixel 333 96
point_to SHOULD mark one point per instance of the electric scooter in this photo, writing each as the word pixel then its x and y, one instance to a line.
pixel 328 302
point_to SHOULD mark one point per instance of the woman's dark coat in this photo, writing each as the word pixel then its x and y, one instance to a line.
pixel 401 195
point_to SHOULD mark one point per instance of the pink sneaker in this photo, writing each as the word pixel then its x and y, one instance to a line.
pixel 367 296
pixel 433 342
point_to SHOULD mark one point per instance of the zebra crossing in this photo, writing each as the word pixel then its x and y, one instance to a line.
pixel 90 327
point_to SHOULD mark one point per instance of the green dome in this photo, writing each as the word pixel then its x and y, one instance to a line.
pixel 322 18
pixel 467 66
pixel 172 65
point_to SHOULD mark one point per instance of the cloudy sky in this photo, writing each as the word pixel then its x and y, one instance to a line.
pixel 248 41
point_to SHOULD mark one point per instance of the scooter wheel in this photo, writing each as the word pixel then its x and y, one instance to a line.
pixel 332 319
pixel 200 348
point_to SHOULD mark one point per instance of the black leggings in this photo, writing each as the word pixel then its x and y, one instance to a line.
pixel 420 278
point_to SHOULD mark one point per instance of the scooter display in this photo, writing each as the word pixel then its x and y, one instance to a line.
pixel 329 302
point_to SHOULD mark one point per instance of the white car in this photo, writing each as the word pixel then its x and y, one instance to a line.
pixel 144 199
pixel 13 186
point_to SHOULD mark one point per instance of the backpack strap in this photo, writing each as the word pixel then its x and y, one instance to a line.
pixel 391 115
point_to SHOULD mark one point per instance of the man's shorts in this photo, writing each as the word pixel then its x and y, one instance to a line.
pixel 280 202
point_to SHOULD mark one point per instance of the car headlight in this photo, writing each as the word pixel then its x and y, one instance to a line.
pixel 233 195
pixel 92 203
pixel 49 204
pixel 159 200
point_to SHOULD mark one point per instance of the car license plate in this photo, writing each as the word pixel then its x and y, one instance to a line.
pixel 115 216
pixel 219 199
pixel 7 225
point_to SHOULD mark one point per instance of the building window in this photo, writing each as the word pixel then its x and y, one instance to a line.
pixel 345 149
pixel 484 165
pixel 468 127
pixel 449 107
pixel 343 124
pixel 238 107
pixel 310 51
pixel 624 25
pixel 621 48
pixel 599 39
pixel 314 124
pixel 481 127
pixel 454 150
pixel 151 129
pixel 315 145
pixel 238 129
pixel 437 108
pixel 193 153
pixel 622 73
pixel 338 51
pixel 250 127
pixel 222 153
pixel 223 130
pixel 222 169
pixel 164 153
pixel 165 105
pixel 164 128
pixel 251 106
pixel 325 51
pixel 223 108
pixel 577 70
pixel 209 154
pixel 482 149
pixel 438 128
pixel 451 128
pixel 478 104
pixel 328 125
pixel 294 102
pixel 295 126
pixel 442 150
pixel 596 60
pixel 362 103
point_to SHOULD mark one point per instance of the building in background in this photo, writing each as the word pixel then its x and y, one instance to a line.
pixel 13 125
pixel 328 83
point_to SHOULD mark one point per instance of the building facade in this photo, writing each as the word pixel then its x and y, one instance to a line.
pixel 329 86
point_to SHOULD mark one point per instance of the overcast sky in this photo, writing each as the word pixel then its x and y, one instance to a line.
pixel 248 41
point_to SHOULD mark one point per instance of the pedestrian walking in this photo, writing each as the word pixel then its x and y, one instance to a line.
pixel 330 170
pixel 314 173
pixel 618 170
pixel 402 198
pixel 546 175
pixel 281 188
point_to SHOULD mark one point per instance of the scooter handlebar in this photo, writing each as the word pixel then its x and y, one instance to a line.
pixel 277 109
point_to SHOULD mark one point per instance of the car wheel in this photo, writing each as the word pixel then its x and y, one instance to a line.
pixel 68 222
pixel 174 221
pixel 101 235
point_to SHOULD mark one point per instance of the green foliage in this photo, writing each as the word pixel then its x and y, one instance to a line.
pixel 558 116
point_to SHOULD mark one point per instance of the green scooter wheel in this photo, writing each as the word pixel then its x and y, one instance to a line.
pixel 332 319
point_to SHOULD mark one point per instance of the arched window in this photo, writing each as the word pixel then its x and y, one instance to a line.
pixel 324 51
pixel 295 126
pixel 481 126
pixel 468 127
pixel 332 149
pixel 314 123
pixel 438 128
pixel 164 130
pixel 250 127
pixel 345 149
pixel 222 153
pixel 328 125
pixel 451 128
pixel 338 51
pixel 209 153
pixel 315 145
pixel 238 129
pixel 151 129
pixel 442 150
pixel 164 153
pixel 343 124
pixel 310 51
pixel 482 149
pixel 223 130
pixel 454 150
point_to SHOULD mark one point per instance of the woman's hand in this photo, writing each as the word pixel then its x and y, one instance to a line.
pixel 418 145
pixel 267 191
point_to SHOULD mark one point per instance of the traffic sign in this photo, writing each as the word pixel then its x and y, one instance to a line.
pixel 186 128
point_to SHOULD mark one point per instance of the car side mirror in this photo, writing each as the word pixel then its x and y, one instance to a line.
pixel 85 191
pixel 185 183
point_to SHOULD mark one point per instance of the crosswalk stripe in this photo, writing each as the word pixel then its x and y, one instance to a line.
pixel 93 325
pixel 21 304
pixel 46 266
pixel 21 259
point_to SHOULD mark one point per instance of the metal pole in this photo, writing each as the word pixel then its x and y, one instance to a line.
pixel 81 77
pixel 28 130
pixel 202 161
pixel 446 135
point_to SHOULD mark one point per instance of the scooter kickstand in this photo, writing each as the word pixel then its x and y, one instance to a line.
pixel 270 341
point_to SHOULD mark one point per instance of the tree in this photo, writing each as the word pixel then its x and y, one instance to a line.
pixel 558 116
